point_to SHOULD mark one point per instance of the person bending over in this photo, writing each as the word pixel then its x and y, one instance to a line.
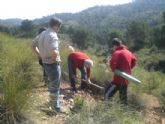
pixel 83 63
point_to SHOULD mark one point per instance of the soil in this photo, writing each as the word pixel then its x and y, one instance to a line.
pixel 40 111
pixel 153 110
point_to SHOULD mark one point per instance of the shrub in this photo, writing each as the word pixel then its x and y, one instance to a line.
pixel 100 113
pixel 79 102
pixel 16 78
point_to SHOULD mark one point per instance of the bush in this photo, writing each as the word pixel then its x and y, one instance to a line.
pixel 79 102
pixel 101 75
pixel 100 113
pixel 16 76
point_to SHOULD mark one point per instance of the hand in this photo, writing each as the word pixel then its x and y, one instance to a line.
pixel 89 81
pixel 75 76
pixel 108 60
pixel 55 53
pixel 39 56
pixel 54 56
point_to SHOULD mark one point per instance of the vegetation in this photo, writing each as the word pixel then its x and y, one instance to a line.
pixel 27 28
pixel 92 113
pixel 141 25
pixel 16 78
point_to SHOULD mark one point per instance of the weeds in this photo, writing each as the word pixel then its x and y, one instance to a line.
pixel 79 102
pixel 16 79
pixel 100 113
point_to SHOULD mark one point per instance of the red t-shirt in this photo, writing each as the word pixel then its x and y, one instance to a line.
pixel 78 59
pixel 123 60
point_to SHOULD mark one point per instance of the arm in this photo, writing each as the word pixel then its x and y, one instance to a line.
pixel 88 72
pixel 54 43
pixel 36 51
pixel 34 46
pixel 113 62
pixel 54 55
pixel 88 75
pixel 133 62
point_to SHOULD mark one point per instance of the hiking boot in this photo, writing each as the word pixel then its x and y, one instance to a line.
pixel 83 86
pixel 57 109
pixel 74 90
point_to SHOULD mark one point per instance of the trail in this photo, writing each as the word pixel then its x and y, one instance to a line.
pixel 153 112
pixel 41 112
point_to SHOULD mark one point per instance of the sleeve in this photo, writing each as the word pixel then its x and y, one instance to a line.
pixel 133 62
pixel 54 43
pixel 114 61
pixel 88 72
pixel 35 41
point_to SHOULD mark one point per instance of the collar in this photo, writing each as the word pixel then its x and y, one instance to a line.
pixel 121 47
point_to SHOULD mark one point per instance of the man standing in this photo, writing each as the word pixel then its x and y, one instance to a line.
pixel 83 63
pixel 46 47
pixel 45 77
pixel 123 60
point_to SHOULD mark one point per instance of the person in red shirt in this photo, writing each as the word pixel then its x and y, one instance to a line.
pixel 123 60
pixel 83 63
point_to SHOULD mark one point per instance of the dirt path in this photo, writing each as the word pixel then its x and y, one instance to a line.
pixel 153 115
pixel 41 112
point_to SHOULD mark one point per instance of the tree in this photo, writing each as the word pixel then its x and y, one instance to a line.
pixel 81 36
pixel 137 35
pixel 27 28
pixel 114 34
pixel 164 16
pixel 159 36
pixel 26 25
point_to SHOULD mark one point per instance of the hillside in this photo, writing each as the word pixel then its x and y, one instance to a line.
pixel 119 16
pixel 114 16
pixel 10 22
pixel 107 16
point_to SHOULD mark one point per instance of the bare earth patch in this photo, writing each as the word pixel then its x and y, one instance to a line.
pixel 153 110
pixel 41 112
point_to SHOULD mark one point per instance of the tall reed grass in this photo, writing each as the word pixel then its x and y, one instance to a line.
pixel 16 78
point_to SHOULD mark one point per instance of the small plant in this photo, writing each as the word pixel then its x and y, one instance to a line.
pixel 99 113
pixel 79 102
pixel 163 101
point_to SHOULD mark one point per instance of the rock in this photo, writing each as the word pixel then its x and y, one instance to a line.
pixel 71 100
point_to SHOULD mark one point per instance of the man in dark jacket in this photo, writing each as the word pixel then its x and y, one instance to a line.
pixel 123 60
pixel 83 63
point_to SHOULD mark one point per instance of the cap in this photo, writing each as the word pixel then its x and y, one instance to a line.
pixel 88 62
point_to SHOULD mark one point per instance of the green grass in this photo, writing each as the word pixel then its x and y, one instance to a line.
pixel 17 77
pixel 101 113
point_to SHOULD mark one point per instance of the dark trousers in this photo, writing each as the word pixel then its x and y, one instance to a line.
pixel 45 77
pixel 72 76
pixel 113 88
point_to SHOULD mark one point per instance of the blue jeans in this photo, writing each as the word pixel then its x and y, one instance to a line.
pixel 54 74
pixel 72 77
